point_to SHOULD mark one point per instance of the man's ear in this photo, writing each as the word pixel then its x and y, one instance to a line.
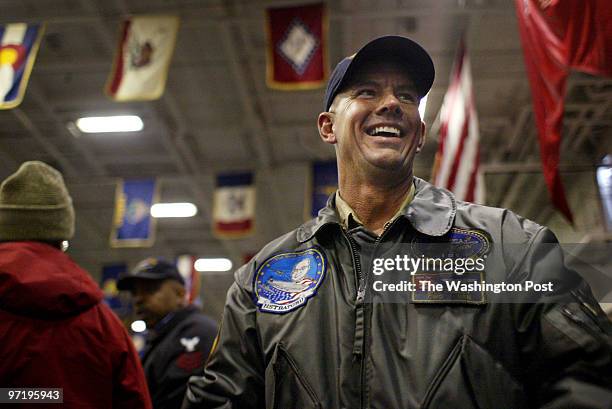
pixel 325 123
pixel 422 137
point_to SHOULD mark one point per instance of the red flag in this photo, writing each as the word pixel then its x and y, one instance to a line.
pixel 297 47
pixel 556 36
pixel 457 164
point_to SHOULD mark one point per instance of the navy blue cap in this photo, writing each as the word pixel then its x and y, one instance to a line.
pixel 401 49
pixel 150 269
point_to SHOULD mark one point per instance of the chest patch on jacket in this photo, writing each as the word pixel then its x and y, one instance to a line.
pixel 451 281
pixel 457 243
pixel 286 281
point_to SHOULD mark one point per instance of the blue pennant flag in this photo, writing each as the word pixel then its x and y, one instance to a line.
pixel 323 182
pixel 133 224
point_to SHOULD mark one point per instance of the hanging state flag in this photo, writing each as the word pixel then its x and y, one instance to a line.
pixel 297 47
pixel 323 181
pixel 19 44
pixel 457 163
pixel 234 205
pixel 143 57
pixel 108 283
pixel 557 36
pixel 185 264
pixel 133 225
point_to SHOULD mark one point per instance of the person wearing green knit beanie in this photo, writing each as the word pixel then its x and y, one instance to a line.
pixel 35 205
pixel 55 326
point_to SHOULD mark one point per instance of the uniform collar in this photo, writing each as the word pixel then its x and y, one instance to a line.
pixel 431 212
pixel 346 213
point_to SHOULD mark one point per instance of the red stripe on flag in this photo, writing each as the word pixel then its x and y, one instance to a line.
pixel 459 154
pixel 442 140
pixel 118 75
pixel 471 192
pixel 234 227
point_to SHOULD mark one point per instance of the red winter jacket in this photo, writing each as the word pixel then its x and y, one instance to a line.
pixel 56 333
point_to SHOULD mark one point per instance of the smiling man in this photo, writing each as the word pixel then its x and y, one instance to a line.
pixel 326 338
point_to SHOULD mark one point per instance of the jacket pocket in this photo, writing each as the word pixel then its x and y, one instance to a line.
pixel 286 386
pixel 470 378
pixel 433 390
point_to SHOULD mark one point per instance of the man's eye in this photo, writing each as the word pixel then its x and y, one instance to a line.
pixel 365 93
pixel 407 97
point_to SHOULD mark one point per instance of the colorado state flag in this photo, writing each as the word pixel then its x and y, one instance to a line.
pixel 133 225
pixel 18 47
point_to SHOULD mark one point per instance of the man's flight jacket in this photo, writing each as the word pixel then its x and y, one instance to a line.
pixel 314 334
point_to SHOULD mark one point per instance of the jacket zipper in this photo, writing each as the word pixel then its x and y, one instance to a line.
pixel 588 310
pixel 359 342
pixel 580 322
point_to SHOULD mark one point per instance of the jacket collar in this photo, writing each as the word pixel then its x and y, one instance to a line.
pixel 431 212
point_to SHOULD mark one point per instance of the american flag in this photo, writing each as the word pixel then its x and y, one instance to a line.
pixel 457 164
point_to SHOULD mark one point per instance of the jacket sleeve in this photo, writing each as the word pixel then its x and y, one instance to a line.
pixel 233 377
pixel 564 336
pixel 130 389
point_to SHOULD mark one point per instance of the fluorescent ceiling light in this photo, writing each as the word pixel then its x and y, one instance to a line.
pixel 138 326
pixel 213 264
pixel 422 106
pixel 121 123
pixel 174 210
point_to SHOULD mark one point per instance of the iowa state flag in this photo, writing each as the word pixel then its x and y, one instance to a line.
pixel 457 164
pixel 234 205
pixel 18 47
pixel 323 182
pixel 143 56
pixel 133 225
pixel 557 36
pixel 297 47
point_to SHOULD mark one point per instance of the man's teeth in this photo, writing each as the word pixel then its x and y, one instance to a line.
pixel 385 130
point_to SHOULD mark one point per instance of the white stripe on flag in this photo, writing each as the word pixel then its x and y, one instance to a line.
pixel 456 109
pixel 14 33
pixel 458 153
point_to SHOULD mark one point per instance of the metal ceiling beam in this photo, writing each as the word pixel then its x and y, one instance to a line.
pixel 49 147
pixel 44 103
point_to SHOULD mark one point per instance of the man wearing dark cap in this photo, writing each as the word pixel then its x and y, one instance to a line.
pixel 179 337
pixel 345 311
pixel 55 330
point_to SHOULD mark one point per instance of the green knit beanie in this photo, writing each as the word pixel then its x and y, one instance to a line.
pixel 35 205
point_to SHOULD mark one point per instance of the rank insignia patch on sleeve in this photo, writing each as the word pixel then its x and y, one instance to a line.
pixel 286 281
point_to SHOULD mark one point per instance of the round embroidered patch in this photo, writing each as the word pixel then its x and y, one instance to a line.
pixel 286 281
pixel 457 243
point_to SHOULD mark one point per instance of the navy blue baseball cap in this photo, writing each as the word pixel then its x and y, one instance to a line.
pixel 150 269
pixel 403 50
